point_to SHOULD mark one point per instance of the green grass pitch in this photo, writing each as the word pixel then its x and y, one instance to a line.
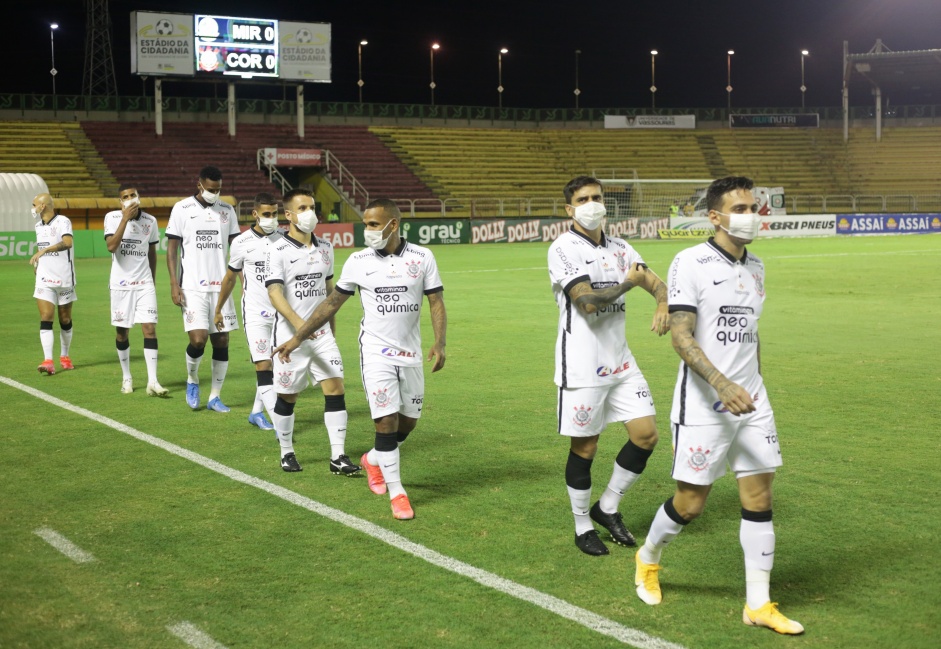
pixel 850 353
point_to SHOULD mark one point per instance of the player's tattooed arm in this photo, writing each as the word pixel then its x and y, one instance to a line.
pixel 589 300
pixel 322 314
pixel 731 394
pixel 661 317
pixel 439 324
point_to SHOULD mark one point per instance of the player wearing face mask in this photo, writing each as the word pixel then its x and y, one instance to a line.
pixel 299 277
pixel 203 226
pixel 393 276
pixel 597 377
pixel 131 235
pixel 248 255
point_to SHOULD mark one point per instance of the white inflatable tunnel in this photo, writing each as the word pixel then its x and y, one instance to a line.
pixel 16 197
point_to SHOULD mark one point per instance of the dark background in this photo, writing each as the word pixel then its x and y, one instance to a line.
pixel 615 39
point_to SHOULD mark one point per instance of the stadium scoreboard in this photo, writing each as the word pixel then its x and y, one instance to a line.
pixel 245 47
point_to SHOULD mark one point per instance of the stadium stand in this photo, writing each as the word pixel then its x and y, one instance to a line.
pixel 60 153
pixel 168 165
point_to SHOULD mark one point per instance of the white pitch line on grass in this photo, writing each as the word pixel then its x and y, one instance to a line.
pixel 63 545
pixel 560 607
pixel 193 636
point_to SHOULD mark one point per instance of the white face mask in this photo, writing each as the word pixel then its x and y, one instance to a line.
pixel 36 214
pixel 374 240
pixel 307 221
pixel 131 202
pixel 209 197
pixel 268 225
pixel 742 226
pixel 590 215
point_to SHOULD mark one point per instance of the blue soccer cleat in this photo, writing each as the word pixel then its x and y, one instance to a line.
pixel 216 404
pixel 192 395
pixel 259 419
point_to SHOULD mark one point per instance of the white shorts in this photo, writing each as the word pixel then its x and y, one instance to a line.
pixel 200 310
pixel 258 332
pixel 393 389
pixel 133 307
pixel 318 358
pixel 58 295
pixel 747 444
pixel 584 412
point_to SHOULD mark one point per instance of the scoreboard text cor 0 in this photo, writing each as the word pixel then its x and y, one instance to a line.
pixel 245 47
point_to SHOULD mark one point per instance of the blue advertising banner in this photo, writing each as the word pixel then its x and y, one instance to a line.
pixel 888 223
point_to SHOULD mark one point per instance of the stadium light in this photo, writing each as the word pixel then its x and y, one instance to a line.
pixel 728 86
pixel 359 55
pixel 434 48
pixel 653 78
pixel 804 53
pixel 500 54
pixel 52 44
pixel 577 91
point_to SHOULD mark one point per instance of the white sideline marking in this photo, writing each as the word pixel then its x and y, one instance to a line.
pixel 63 545
pixel 560 607
pixel 191 635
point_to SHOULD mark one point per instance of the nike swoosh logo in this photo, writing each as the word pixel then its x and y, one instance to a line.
pixel 766 554
pixel 717 283
pixel 372 273
pixel 294 261
pixel 590 262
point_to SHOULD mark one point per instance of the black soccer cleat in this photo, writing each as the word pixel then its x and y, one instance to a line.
pixel 614 523
pixel 289 463
pixel 590 543
pixel 344 466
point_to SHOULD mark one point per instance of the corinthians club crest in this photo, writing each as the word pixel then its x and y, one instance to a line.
pixel 582 416
pixel 698 458
pixel 284 378
pixel 381 398
pixel 413 268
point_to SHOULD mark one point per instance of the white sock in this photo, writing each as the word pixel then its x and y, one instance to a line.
pixel 150 358
pixel 259 403
pixel 65 341
pixel 336 430
pixel 219 368
pixel 284 426
pixel 758 545
pixel 372 458
pixel 389 465
pixel 192 369
pixel 621 481
pixel 663 530
pixel 268 397
pixel 581 499
pixel 46 339
pixel 124 357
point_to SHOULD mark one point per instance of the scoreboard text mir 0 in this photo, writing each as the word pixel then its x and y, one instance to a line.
pixel 246 47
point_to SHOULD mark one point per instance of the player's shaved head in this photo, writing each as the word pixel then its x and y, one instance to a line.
pixel 386 205
pixel 44 199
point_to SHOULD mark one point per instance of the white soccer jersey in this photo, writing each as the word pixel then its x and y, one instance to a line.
pixel 204 234
pixel 590 350
pixel 130 265
pixel 304 273
pixel 55 269
pixel 391 288
pixel 727 296
pixel 248 255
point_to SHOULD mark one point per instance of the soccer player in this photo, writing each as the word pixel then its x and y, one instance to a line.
pixel 248 255
pixel 598 379
pixel 721 413
pixel 54 267
pixel 131 235
pixel 392 275
pixel 299 277
pixel 203 226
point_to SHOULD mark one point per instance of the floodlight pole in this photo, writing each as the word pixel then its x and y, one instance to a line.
pixel 434 47
pixel 804 53
pixel 653 78
pixel 359 53
pixel 500 54
pixel 52 45
pixel 728 87
pixel 577 91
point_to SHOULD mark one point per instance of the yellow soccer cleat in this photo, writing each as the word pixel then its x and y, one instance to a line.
pixel 647 581
pixel 769 616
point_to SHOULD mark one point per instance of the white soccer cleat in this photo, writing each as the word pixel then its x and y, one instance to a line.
pixel 127 386
pixel 156 390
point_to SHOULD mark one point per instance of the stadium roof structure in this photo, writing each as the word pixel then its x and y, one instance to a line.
pixel 883 68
